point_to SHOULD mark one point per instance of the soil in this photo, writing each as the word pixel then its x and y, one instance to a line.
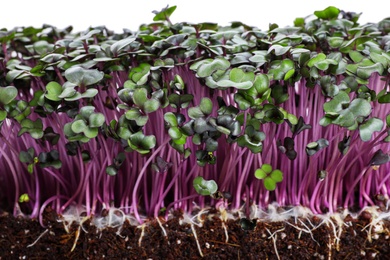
pixel 22 238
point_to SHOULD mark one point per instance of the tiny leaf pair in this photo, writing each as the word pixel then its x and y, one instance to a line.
pixel 269 176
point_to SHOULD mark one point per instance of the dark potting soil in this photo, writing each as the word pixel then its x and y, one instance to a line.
pixel 22 238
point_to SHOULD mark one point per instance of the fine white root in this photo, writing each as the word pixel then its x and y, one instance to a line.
pixel 274 237
pixel 163 229
pixel 330 248
pixel 196 239
pixel 76 239
pixel 196 219
pixel 142 227
pixel 376 223
pixel 306 230
pixel 226 232
pixel 224 218
pixel 41 235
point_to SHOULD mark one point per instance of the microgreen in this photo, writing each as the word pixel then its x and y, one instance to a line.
pixel 166 116
pixel 269 176
pixel 205 187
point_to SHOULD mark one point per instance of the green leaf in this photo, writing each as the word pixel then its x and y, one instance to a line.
pixel 365 72
pixel 279 49
pixel 25 157
pixel 384 99
pixel 181 141
pixel 79 126
pixel 267 168
pixel 140 97
pixel 369 127
pixel 86 111
pixel 141 120
pixel 7 94
pixel 260 174
pixel 53 91
pixel 164 14
pixel 261 84
pixel 269 184
pixel 89 93
pixel 238 79
pixel 277 175
pixel 30 168
pixel 238 75
pixel 170 118
pixel 336 104
pixel 83 77
pixel 211 145
pixel 151 105
pixel 388 120
pixel 318 58
pixel 358 108
pixel 91 132
pixel 132 114
pixel 279 69
pixel 335 42
pixel 328 13
pixel 292 119
pixel 356 56
pixel 3 115
pixel 67 92
pixel 96 120
pixel 195 112
pixel 174 133
pixel 121 44
pixel 34 128
pixel 209 66
pixel 111 170
pixel 140 74
pixel 206 106
pixel 313 147
pixel 205 187
pixel 24 198
pixel 299 21
pixel 243 104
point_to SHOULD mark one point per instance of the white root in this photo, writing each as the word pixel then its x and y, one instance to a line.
pixel 142 234
pixel 330 248
pixel 196 239
pixel 36 240
pixel 224 218
pixel 376 223
pixel 274 237
pixel 306 230
pixel 163 229
pixel 226 232
pixel 76 239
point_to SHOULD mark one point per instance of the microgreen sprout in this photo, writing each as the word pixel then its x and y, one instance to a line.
pixel 179 115
pixel 269 176
pixel 205 187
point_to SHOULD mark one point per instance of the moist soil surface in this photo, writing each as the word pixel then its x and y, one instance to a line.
pixel 22 238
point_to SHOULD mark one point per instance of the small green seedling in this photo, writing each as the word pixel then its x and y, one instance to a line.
pixel 24 198
pixel 205 187
pixel 269 176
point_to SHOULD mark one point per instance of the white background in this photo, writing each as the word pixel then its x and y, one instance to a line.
pixel 116 15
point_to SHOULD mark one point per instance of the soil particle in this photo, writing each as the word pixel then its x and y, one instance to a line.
pixel 298 238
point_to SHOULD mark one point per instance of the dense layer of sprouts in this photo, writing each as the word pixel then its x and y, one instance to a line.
pixel 292 59
pixel 138 190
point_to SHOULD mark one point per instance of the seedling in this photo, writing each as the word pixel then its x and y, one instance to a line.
pixel 177 116
pixel 269 176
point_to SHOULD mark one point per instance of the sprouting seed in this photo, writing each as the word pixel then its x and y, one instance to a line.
pixel 322 175
pixel 24 198
pixel 221 195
